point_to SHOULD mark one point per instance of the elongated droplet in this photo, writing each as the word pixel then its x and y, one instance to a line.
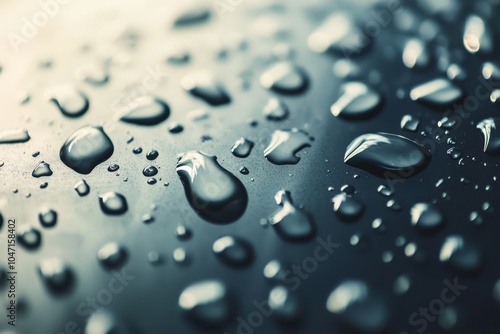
pixel 426 217
pixel 86 148
pixel 193 14
pixel 357 100
pixel 202 85
pixel 70 101
pixel 242 148
pixel 285 144
pixel 275 110
pixel 113 203
pixel 56 275
pixel 213 192
pixel 146 111
pixel 233 251
pixel 491 136
pixel 385 154
pixel 416 54
pixel 14 136
pixel 437 93
pixel 347 208
pixel 357 307
pixel 477 36
pixel 289 222
pixel 43 169
pixel 207 303
pixel 460 255
pixel 82 188
pixel 285 78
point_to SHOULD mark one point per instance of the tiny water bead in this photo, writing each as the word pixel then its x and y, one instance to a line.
pixel 113 168
pixel 289 222
pixel 275 110
pixel 82 188
pixel 356 101
pixel 113 203
pixel 150 171
pixel 47 217
pixel 285 78
pixel 437 93
pixel 460 255
pixel 13 136
pixel 70 101
pixel 151 181
pixel 347 208
pixel 387 155
pixel 205 87
pixel 426 217
pixel 242 148
pixel 212 191
pixel 86 148
pixel 491 135
pixel 112 255
pixel 285 144
pixel 56 274
pixel 207 303
pixel 147 111
pixel 43 169
pixel 29 237
pixel 233 251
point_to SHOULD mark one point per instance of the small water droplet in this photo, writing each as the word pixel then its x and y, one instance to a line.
pixel 491 136
pixel 146 110
pixel 347 208
pixel 242 148
pixel 437 93
pixel 275 110
pixel 113 203
pixel 233 251
pixel 285 78
pixel 112 255
pixel 70 101
pixel 56 275
pixel 202 85
pixel 285 144
pixel 409 123
pixel 43 169
pixel 152 155
pixel 460 255
pixel 29 237
pixel 47 217
pixel 356 101
pixel 426 217
pixel 82 188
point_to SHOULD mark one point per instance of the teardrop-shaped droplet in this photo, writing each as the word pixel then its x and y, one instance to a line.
pixel 86 148
pixel 437 93
pixel 29 237
pixel 233 251
pixel 285 78
pixel 491 136
pixel 285 144
pixel 112 255
pixel 82 188
pixel 14 136
pixel 289 222
pixel 47 217
pixel 275 110
pixel 284 305
pixel 113 203
pixel 409 123
pixel 207 303
pixel 347 208
pixel 213 192
pixel 56 275
pixel 356 101
pixel 43 169
pixel 70 101
pixel 460 255
pixel 387 155
pixel 339 34
pixel 146 110
pixel 358 308
pixel 202 85
pixel 242 148
pixel 426 217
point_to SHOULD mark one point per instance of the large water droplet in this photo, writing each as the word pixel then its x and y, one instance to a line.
pixel 43 169
pixel 437 93
pixel 213 192
pixel 357 100
pixel 86 148
pixel 426 217
pixel 113 203
pixel 207 303
pixel 205 87
pixel 385 154
pixel 289 222
pixel 14 136
pixel 70 101
pixel 146 110
pixel 233 251
pixel 285 144
pixel 460 255
pixel 491 136
pixel 242 148
pixel 285 78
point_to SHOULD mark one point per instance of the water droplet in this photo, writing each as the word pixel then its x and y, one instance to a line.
pixel 401 285
pixel 93 74
pixel 385 154
pixel 409 123
pixel 285 78
pixel 82 188
pixel 437 93
pixel 175 128
pixel 183 232
pixel 202 85
pixel 150 171
pixel 415 54
pixel 275 110
pixel 113 203
pixel 356 101
pixel 285 144
pixel 207 302
pixel 180 256
pixel 113 168
pixel 242 148
pixel 233 251
pixel 70 101
pixel 477 35
pixel 447 123
pixel 347 208
pixel 284 305
pixel 460 255
pixel 385 191
pixel 43 169
pixel 14 136
pixel 491 136
pixel 47 217
pixel 146 110
pixel 112 255
pixel 137 150
pixel 104 322
pixel 56 275
pixel 426 217
pixel 454 153
pixel 491 71
pixel 152 155
pixel 193 14
pixel 348 189
pixel 213 192
pixel 289 222
pixel 244 170
pixel 29 237
pixel 276 272
pixel 86 148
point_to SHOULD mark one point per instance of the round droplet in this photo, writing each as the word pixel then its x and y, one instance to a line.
pixel 104 322
pixel 183 232
pixel 113 203
pixel 47 217
pixel 460 255
pixel 242 148
pixel 112 255
pixel 284 305
pixel 409 123
pixel 347 208
pixel 152 155
pixel 150 171
pixel 426 217
pixel 233 251
pixel 244 170
pixel 275 271
pixel 289 222
pixel 29 237
pixel 401 285
pixel 285 78
pixel 175 128
pixel 356 101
